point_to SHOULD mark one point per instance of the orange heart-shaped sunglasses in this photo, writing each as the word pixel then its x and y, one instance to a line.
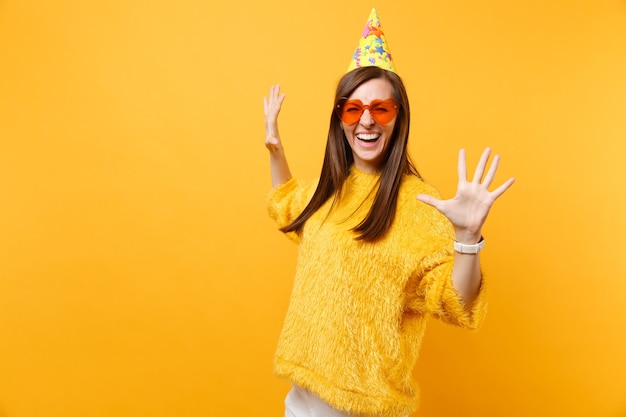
pixel 382 111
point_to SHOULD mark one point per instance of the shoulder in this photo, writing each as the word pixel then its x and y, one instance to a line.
pixel 294 186
pixel 416 215
pixel 413 185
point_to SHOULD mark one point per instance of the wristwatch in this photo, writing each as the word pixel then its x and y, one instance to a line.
pixel 473 249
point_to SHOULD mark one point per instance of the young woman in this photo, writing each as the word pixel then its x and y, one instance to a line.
pixel 379 253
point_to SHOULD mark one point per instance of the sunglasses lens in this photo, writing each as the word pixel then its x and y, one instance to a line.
pixel 383 111
pixel 352 111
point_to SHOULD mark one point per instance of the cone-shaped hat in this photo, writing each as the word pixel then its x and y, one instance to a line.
pixel 373 49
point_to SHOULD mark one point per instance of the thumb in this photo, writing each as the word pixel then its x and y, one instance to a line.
pixel 429 199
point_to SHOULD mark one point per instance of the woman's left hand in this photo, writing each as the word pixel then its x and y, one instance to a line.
pixel 469 208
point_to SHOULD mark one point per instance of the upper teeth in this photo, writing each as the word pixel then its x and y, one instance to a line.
pixel 368 136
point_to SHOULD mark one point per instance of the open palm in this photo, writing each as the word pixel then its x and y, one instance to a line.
pixel 468 209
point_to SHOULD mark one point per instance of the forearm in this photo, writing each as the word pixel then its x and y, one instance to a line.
pixel 466 273
pixel 279 168
pixel 467 277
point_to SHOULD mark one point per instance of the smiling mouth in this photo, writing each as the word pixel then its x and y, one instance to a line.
pixel 368 137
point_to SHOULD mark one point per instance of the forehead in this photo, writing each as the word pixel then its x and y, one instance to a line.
pixel 376 88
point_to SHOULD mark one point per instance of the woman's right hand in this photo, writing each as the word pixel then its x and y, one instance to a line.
pixel 271 105
pixel 278 162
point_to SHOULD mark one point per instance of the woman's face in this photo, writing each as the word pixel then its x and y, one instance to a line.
pixel 368 138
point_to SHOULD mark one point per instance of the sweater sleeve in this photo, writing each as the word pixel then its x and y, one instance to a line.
pixel 436 295
pixel 430 289
pixel 286 202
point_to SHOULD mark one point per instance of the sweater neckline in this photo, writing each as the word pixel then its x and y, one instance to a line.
pixel 362 178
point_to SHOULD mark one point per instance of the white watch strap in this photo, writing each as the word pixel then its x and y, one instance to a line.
pixel 464 248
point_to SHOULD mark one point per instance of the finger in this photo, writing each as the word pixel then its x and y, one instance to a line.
pixel 276 90
pixel 265 105
pixel 501 189
pixel 274 97
pixel 492 171
pixel 461 167
pixel 480 168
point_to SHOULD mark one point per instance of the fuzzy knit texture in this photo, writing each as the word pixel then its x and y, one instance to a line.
pixel 358 310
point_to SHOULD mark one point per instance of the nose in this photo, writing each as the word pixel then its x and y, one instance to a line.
pixel 366 118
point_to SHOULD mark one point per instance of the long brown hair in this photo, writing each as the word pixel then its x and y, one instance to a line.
pixel 338 160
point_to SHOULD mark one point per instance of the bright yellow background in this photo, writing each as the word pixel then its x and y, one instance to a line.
pixel 140 274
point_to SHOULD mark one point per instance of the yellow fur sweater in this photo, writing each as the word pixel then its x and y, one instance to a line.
pixel 358 310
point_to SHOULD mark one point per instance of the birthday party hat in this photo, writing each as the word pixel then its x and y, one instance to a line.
pixel 372 49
